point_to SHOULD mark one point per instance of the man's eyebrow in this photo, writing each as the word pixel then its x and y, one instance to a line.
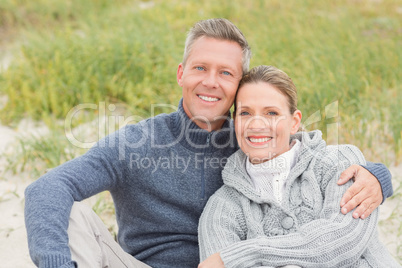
pixel 229 68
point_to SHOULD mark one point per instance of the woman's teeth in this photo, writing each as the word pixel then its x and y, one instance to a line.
pixel 258 140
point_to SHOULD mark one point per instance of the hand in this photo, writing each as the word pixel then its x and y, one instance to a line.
pixel 213 261
pixel 365 192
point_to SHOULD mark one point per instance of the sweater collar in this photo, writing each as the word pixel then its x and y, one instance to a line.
pixel 235 174
pixel 197 139
pixel 280 164
pixel 277 169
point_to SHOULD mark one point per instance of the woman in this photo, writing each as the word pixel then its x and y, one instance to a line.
pixel 279 204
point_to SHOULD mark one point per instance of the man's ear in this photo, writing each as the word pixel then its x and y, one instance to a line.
pixel 179 74
pixel 297 116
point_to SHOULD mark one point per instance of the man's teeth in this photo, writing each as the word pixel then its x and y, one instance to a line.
pixel 259 139
pixel 205 98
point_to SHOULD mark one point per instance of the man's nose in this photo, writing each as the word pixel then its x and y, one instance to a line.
pixel 210 80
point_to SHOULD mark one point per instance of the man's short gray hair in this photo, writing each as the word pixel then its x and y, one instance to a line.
pixel 221 29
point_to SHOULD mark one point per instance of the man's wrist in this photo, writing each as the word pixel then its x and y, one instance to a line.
pixel 382 174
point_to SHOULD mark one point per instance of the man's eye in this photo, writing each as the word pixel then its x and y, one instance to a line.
pixel 199 68
pixel 226 73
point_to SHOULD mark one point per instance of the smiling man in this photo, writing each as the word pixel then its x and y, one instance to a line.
pixel 209 79
pixel 158 209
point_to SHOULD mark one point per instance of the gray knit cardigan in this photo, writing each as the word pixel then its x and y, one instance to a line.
pixel 307 229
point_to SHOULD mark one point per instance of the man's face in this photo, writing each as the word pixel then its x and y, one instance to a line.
pixel 209 80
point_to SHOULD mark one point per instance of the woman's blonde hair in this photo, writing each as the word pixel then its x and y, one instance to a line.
pixel 275 77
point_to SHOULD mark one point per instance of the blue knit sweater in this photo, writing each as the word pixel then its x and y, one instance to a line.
pixel 160 173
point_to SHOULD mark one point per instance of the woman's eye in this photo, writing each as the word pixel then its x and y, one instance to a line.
pixel 244 113
pixel 272 113
pixel 199 68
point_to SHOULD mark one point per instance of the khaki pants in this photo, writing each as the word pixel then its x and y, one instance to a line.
pixel 92 245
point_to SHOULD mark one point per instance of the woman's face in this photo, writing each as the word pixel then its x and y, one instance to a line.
pixel 263 121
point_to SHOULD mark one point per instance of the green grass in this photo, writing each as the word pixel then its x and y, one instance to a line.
pixel 38 154
pixel 115 51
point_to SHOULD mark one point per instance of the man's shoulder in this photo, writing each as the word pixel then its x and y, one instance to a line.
pixel 145 126
pixel 140 123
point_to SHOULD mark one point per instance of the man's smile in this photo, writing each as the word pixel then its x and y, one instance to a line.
pixel 208 99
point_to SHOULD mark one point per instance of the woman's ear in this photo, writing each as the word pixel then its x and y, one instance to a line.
pixel 296 121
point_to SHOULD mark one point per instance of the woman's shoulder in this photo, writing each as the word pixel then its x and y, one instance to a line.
pixel 345 154
pixel 226 194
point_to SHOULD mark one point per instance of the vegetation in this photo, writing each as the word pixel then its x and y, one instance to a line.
pixel 74 52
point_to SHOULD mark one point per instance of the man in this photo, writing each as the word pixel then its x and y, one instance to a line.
pixel 160 172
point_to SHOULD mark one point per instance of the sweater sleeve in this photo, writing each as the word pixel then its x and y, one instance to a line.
pixel 48 200
pixel 381 172
pixel 219 225
pixel 332 240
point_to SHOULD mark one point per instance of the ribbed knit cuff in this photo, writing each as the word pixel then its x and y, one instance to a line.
pixel 383 176
pixel 70 264
pixel 51 261
pixel 241 254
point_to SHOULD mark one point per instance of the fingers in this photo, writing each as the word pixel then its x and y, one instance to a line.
pixel 372 198
pixel 365 209
pixel 348 174
pixel 365 194
pixel 365 198
pixel 350 196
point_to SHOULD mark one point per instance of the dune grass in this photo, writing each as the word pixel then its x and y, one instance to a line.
pixel 127 52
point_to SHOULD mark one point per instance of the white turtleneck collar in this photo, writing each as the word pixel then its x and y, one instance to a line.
pixel 269 178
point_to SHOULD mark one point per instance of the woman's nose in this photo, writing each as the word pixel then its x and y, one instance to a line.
pixel 258 122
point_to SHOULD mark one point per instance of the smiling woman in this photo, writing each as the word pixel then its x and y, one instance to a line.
pixel 264 124
pixel 279 205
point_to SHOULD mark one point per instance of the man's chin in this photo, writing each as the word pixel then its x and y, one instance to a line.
pixel 210 122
